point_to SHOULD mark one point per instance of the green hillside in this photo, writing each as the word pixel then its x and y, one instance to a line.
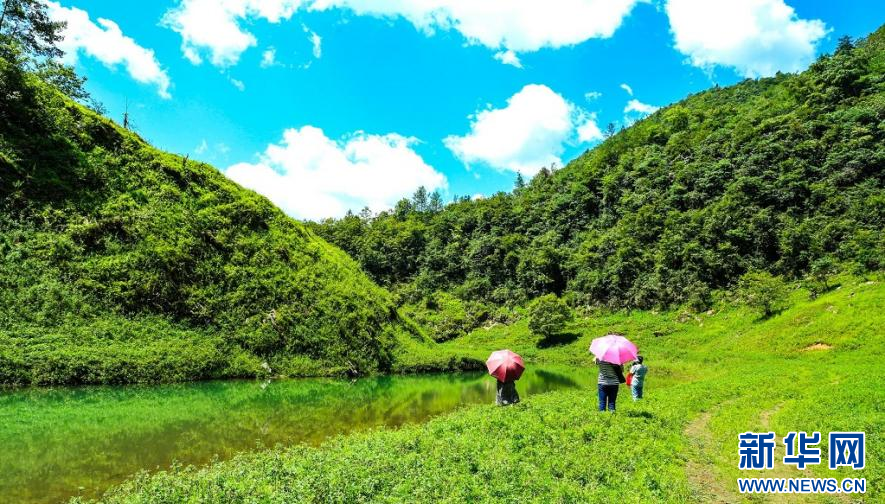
pixel 783 174
pixel 814 367
pixel 736 237
pixel 121 263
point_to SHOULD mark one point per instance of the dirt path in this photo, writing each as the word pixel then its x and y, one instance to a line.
pixel 786 471
pixel 704 481
pixel 709 487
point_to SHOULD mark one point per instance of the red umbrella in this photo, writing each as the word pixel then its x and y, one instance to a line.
pixel 505 365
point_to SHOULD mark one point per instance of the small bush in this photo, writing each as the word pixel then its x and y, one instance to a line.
pixel 819 279
pixel 762 292
pixel 548 315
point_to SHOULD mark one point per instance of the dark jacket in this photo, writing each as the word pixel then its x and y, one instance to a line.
pixel 506 393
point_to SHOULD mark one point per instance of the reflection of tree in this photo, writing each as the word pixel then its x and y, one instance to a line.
pixel 556 380
pixel 59 439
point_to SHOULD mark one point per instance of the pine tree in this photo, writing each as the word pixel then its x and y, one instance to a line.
pixel 435 205
pixel 419 199
pixel 845 45
pixel 609 130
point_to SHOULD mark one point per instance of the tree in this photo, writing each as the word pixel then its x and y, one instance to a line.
pixel 64 78
pixel 770 174
pixel 821 270
pixel 762 292
pixel 402 209
pixel 609 130
pixel 845 45
pixel 520 181
pixel 548 315
pixel 419 199
pixel 435 204
pixel 27 23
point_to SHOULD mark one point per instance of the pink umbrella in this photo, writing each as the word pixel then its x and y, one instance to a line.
pixel 613 348
pixel 505 365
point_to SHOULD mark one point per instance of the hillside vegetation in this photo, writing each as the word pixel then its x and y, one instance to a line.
pixel 783 174
pixel 813 367
pixel 121 263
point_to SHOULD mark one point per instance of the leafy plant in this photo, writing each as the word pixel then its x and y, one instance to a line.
pixel 548 315
pixel 762 292
pixel 821 271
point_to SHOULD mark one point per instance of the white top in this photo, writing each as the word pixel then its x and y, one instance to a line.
pixel 639 371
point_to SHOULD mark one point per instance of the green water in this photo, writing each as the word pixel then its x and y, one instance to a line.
pixel 60 442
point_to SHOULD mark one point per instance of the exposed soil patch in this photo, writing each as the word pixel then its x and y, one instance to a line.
pixel 817 346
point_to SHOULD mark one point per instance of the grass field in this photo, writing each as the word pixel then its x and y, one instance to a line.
pixel 816 366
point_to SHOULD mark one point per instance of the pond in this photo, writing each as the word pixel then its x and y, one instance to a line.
pixel 62 442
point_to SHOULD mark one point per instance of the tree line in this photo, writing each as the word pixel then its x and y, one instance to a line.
pixel 780 175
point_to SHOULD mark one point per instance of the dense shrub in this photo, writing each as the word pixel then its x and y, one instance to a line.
pixel 548 315
pixel 445 316
pixel 762 292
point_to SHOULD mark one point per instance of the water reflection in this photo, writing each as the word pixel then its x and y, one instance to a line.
pixel 61 442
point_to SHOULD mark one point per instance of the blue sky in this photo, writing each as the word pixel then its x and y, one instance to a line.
pixel 330 105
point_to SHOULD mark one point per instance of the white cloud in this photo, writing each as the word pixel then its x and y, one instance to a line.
pixel 217 152
pixel 756 37
pixel 592 95
pixel 501 25
pixel 215 26
pixel 635 105
pixel 107 43
pixel 529 133
pixel 311 176
pixel 588 130
pixel 508 57
pixel 517 25
pixel 238 84
pixel 269 57
pixel 316 43
pixel 202 148
pixel 627 88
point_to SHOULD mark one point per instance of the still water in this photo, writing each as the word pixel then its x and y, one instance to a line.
pixel 56 443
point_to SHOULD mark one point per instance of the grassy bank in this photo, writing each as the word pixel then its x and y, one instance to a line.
pixel 815 366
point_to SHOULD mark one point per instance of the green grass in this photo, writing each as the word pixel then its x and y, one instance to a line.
pixel 120 263
pixel 712 376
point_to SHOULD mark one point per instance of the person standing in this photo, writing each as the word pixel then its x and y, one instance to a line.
pixel 638 370
pixel 611 376
pixel 506 393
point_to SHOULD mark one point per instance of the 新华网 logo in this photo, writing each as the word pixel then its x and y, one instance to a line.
pixel 847 449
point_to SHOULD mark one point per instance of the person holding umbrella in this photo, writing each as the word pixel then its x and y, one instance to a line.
pixel 611 352
pixel 506 367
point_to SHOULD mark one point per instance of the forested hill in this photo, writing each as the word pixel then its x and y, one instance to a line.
pixel 783 174
pixel 120 263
